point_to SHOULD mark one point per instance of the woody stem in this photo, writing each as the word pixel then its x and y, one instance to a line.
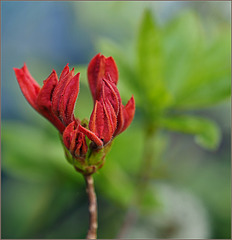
pixel 92 232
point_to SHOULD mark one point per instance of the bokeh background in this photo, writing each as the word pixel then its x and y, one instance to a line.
pixel 188 191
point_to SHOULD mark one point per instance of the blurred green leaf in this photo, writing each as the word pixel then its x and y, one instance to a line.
pixel 82 69
pixel 209 79
pixel 182 42
pixel 178 66
pixel 151 62
pixel 207 133
pixel 33 155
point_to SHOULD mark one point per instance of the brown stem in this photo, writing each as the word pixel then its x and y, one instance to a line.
pixel 92 232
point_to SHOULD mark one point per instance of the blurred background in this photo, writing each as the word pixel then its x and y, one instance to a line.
pixel 175 58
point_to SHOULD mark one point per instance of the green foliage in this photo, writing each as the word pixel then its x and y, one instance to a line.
pixel 174 68
pixel 42 160
pixel 151 62
pixel 206 131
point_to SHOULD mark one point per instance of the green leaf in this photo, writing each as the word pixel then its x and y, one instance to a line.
pixel 182 42
pixel 206 132
pixel 151 63
pixel 30 154
pixel 82 69
pixel 197 63
pixel 209 80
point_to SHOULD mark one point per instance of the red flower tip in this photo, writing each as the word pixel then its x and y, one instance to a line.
pixel 110 92
pixel 65 92
pixel 109 116
pixel 56 99
pixel 128 113
pixel 101 67
pixel 68 99
pixel 28 85
pixel 65 71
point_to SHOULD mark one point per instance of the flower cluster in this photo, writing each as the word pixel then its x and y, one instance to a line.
pixel 86 143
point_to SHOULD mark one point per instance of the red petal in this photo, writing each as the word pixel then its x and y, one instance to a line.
pixel 66 134
pixel 90 135
pixel 56 96
pixel 44 101
pixel 96 117
pixel 111 70
pixel 101 67
pixel 68 99
pixel 81 146
pixel 110 92
pixel 28 85
pixel 112 115
pixel 109 126
pixel 45 95
pixel 103 120
pixel 74 140
pixel 84 147
pixel 128 113
pixel 64 72
pixel 120 121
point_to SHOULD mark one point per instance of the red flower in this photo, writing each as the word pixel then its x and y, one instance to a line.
pixel 109 117
pixel 56 100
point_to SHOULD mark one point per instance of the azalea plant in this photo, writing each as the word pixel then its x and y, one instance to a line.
pixel 176 71
pixel 86 143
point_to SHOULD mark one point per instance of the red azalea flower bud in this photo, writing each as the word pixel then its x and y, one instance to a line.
pixel 56 99
pixel 109 117
pixel 101 67
pixel 85 157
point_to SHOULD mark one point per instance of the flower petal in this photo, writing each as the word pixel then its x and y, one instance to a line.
pixel 112 115
pixel 103 120
pixel 44 101
pixel 128 113
pixel 45 95
pixel 109 122
pixel 81 146
pixel 28 85
pixel 110 92
pixel 101 67
pixel 92 136
pixel 120 121
pixel 74 140
pixel 58 91
pixel 67 139
pixel 68 99
pixel 64 72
